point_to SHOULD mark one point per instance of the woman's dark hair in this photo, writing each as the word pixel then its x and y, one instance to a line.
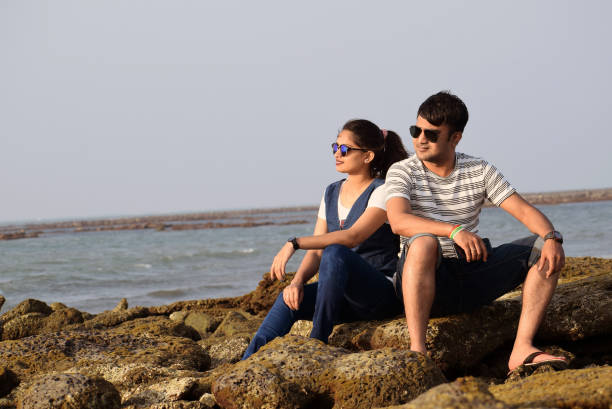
pixel 386 145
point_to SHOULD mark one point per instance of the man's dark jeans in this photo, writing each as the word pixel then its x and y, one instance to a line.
pixel 463 286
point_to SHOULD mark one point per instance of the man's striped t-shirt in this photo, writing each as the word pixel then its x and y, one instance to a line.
pixel 455 199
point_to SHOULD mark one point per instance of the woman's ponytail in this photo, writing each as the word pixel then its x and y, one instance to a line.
pixel 392 152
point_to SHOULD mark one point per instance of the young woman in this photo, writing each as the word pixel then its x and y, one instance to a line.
pixel 353 248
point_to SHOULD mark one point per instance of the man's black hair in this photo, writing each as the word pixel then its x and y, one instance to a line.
pixel 445 108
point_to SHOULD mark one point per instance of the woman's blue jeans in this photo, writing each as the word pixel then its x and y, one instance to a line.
pixel 349 289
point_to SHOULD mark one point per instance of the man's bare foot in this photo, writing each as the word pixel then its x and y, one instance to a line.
pixel 421 349
pixel 519 357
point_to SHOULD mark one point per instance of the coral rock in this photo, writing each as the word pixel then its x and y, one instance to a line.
pixel 8 381
pixel 69 391
pixel 293 372
pixel 468 393
pixel 583 388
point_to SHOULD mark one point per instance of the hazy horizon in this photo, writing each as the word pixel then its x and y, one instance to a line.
pixel 111 108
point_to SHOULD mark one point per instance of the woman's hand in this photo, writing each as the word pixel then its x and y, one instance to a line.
pixel 293 295
pixel 277 270
pixel 472 245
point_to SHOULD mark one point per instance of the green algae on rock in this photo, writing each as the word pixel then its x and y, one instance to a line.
pixel 155 362
pixel 85 349
pixel 230 350
pixel 8 381
pixel 468 393
pixel 294 372
pixel 579 309
pixel 69 391
pixel 380 377
pixel 581 388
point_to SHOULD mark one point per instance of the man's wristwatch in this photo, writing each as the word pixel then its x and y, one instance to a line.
pixel 293 241
pixel 555 235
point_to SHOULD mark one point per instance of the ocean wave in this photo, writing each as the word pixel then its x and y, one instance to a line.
pixel 216 287
pixel 143 265
pixel 167 293
pixel 208 254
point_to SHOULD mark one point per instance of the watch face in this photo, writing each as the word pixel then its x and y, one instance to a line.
pixel 555 235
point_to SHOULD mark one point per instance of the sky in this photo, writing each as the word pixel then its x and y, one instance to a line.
pixel 133 107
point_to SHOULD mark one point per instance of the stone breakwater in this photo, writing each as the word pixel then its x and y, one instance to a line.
pixel 186 355
pixel 193 221
pixel 237 218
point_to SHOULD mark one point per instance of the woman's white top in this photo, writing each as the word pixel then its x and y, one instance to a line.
pixel 377 199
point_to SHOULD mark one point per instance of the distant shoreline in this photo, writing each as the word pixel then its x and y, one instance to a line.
pixel 238 218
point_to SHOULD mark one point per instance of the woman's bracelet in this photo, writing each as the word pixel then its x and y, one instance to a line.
pixel 456 229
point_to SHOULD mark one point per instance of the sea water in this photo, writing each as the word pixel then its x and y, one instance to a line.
pixel 93 271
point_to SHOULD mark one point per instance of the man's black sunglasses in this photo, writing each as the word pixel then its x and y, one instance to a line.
pixel 430 134
pixel 345 149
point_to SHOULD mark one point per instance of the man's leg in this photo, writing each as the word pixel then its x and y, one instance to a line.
pixel 507 266
pixel 419 287
pixel 537 292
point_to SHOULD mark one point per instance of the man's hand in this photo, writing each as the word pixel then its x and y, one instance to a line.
pixel 277 270
pixel 472 245
pixel 553 256
pixel 293 295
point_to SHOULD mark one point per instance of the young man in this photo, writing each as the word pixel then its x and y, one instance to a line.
pixel 434 202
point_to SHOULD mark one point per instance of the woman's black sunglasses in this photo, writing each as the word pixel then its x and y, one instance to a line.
pixel 430 134
pixel 345 149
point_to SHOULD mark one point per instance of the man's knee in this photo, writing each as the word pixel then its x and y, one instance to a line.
pixel 423 248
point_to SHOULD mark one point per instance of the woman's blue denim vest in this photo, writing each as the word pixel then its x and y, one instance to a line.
pixel 382 247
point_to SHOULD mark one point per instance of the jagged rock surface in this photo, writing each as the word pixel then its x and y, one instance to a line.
pixel 293 372
pixel 156 362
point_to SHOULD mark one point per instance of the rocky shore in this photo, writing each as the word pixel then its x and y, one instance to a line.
pixel 237 218
pixel 186 356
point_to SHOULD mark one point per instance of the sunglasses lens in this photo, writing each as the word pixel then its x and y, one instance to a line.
pixel 343 150
pixel 334 147
pixel 432 136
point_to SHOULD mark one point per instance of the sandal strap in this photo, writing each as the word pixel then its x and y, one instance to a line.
pixel 532 356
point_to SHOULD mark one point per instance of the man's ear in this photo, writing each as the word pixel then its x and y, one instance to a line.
pixel 456 137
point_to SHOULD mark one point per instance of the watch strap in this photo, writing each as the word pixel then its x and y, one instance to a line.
pixel 554 235
pixel 294 242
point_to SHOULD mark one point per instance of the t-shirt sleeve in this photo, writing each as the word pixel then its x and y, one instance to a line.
pixel 322 210
pixel 398 182
pixel 378 198
pixel 497 188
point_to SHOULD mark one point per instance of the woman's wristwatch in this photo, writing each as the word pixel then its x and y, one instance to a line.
pixel 555 235
pixel 293 241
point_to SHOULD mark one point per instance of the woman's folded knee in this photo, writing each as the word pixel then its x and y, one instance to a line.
pixel 335 251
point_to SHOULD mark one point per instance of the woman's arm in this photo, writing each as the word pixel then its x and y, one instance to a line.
pixel 294 292
pixel 371 219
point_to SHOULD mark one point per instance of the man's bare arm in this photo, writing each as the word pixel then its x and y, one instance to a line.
pixel 536 222
pixel 404 223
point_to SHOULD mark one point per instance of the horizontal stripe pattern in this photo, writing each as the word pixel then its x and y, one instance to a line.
pixel 455 199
